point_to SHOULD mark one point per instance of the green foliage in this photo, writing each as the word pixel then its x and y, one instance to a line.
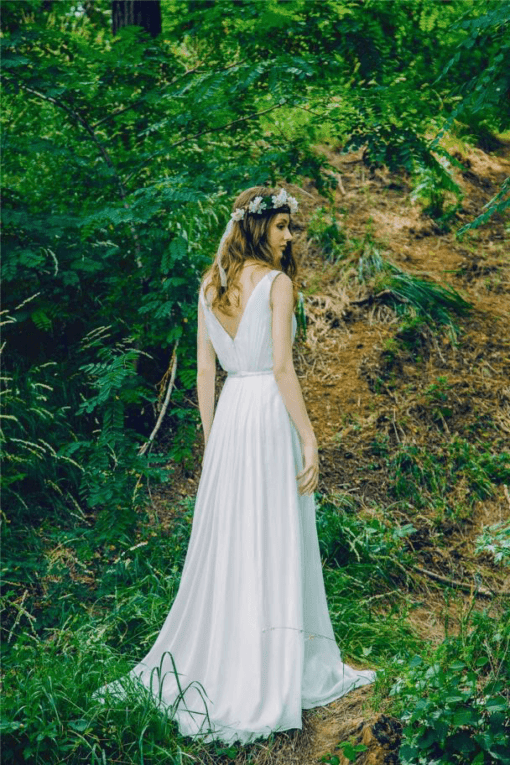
pixel 36 474
pixel 437 397
pixel 301 316
pixel 347 538
pixel 114 465
pixel 411 297
pixel 432 301
pixel 109 214
pixel 433 184
pixel 324 230
pixel 483 51
pixel 364 561
pixel 478 100
pixel 108 220
pixel 421 475
pixel 86 636
pixel 349 750
pixel 53 717
pixel 454 703
pixel 498 204
pixel 72 647
pixel 495 540
pixel 120 157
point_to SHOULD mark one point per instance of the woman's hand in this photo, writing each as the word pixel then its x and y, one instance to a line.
pixel 308 478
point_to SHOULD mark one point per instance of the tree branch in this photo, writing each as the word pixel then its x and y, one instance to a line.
pixel 162 413
pixel 106 157
pixel 201 133
pixel 170 84
pixel 464 586
pixel 140 100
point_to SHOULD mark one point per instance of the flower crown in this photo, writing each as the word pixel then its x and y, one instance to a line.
pixel 260 204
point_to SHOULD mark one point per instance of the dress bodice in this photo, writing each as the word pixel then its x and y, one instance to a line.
pixel 252 348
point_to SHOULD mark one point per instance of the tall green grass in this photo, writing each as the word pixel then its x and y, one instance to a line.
pixel 89 633
pixel 85 637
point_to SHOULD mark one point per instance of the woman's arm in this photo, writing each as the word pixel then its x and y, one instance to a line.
pixel 282 302
pixel 206 374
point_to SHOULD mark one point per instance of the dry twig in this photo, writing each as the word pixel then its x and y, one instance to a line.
pixel 162 413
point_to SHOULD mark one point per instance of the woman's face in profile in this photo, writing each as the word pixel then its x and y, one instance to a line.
pixel 278 235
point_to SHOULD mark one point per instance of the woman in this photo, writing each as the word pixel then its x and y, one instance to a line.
pixel 248 642
pixel 259 245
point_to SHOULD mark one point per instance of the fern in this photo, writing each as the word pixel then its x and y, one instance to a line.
pixel 484 96
pixel 498 204
pixel 495 540
pixel 34 426
pixel 433 183
pixel 434 302
pixel 113 465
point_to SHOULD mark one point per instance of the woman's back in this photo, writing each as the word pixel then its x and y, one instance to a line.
pixel 249 277
pixel 243 342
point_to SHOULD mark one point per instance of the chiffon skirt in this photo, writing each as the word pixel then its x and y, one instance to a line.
pixel 249 632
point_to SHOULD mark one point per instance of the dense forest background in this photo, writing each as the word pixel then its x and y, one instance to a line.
pixel 128 127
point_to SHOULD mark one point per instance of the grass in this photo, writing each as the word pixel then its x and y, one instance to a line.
pixel 451 696
pixel 325 232
pixel 87 622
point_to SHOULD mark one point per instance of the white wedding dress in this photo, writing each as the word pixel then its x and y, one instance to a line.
pixel 249 624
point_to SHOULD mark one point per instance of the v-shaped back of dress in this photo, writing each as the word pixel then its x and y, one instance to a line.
pixel 251 350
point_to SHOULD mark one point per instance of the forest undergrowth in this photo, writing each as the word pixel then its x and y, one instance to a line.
pixel 406 378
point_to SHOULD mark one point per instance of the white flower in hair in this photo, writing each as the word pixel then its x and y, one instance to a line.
pixel 258 205
pixel 255 205
pixel 285 199
pixel 281 199
pixel 293 205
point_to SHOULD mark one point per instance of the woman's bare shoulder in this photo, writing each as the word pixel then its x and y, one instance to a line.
pixel 282 289
pixel 282 276
pixel 282 283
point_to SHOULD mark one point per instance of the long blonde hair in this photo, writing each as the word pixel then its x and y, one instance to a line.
pixel 248 239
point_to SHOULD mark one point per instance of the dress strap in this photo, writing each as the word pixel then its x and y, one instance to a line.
pixel 203 297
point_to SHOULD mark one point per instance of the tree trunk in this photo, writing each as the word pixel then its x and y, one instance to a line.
pixel 140 13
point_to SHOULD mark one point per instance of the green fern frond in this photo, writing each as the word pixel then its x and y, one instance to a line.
pixel 427 298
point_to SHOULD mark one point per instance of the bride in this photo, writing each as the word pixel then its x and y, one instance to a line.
pixel 261 245
pixel 248 642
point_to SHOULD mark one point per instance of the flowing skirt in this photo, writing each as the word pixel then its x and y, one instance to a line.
pixel 249 632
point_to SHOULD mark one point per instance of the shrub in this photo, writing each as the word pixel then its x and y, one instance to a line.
pixel 455 703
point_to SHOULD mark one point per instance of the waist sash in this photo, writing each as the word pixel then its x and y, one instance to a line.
pixel 250 373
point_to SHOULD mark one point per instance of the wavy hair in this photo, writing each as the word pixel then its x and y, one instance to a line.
pixel 248 239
